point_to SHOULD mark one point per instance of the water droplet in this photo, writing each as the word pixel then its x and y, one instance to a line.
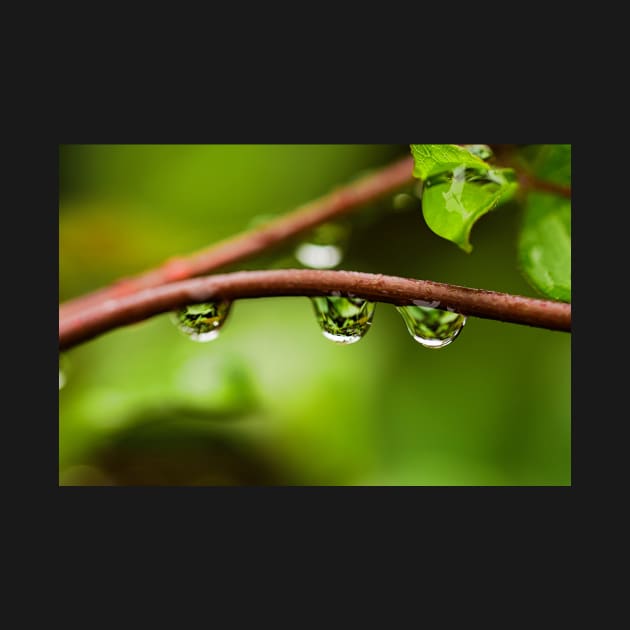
pixel 432 304
pixel 318 256
pixel 202 322
pixel 324 247
pixel 482 151
pixel 432 327
pixel 460 176
pixel 343 319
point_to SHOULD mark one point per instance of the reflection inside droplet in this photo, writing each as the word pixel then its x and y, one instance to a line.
pixel 202 322
pixel 432 327
pixel 344 320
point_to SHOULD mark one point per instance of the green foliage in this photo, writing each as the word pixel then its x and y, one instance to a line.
pixel 551 162
pixel 544 246
pixel 545 238
pixel 433 159
pixel 202 322
pixel 270 401
pixel 459 188
pixel 453 202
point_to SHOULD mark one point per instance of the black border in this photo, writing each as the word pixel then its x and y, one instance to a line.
pixel 338 120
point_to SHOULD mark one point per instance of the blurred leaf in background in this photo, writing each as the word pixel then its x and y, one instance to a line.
pixel 545 238
pixel 271 401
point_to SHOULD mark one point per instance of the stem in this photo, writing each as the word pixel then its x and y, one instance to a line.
pixel 507 156
pixel 247 244
pixel 529 182
pixel 113 313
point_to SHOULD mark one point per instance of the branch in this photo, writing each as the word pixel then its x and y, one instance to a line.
pixel 247 244
pixel 507 156
pixel 113 313
pixel 530 182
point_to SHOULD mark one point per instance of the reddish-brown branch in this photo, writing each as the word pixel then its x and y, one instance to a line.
pixel 506 155
pixel 115 312
pixel 529 182
pixel 339 202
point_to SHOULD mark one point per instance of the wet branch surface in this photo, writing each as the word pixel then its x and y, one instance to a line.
pixel 247 244
pixel 115 312
pixel 174 284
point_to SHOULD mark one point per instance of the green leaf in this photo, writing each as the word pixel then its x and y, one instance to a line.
pixel 453 202
pixel 431 159
pixel 545 239
pixel 459 188
pixel 545 244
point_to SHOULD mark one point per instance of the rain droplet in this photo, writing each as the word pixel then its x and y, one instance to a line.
pixel 324 247
pixel 461 175
pixel 342 319
pixel 482 151
pixel 202 322
pixel 432 327
pixel 318 256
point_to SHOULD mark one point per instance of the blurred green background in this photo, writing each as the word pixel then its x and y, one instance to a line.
pixel 271 401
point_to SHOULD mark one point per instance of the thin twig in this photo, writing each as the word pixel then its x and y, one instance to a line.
pixel 113 313
pixel 341 201
pixel 530 182
pixel 507 155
